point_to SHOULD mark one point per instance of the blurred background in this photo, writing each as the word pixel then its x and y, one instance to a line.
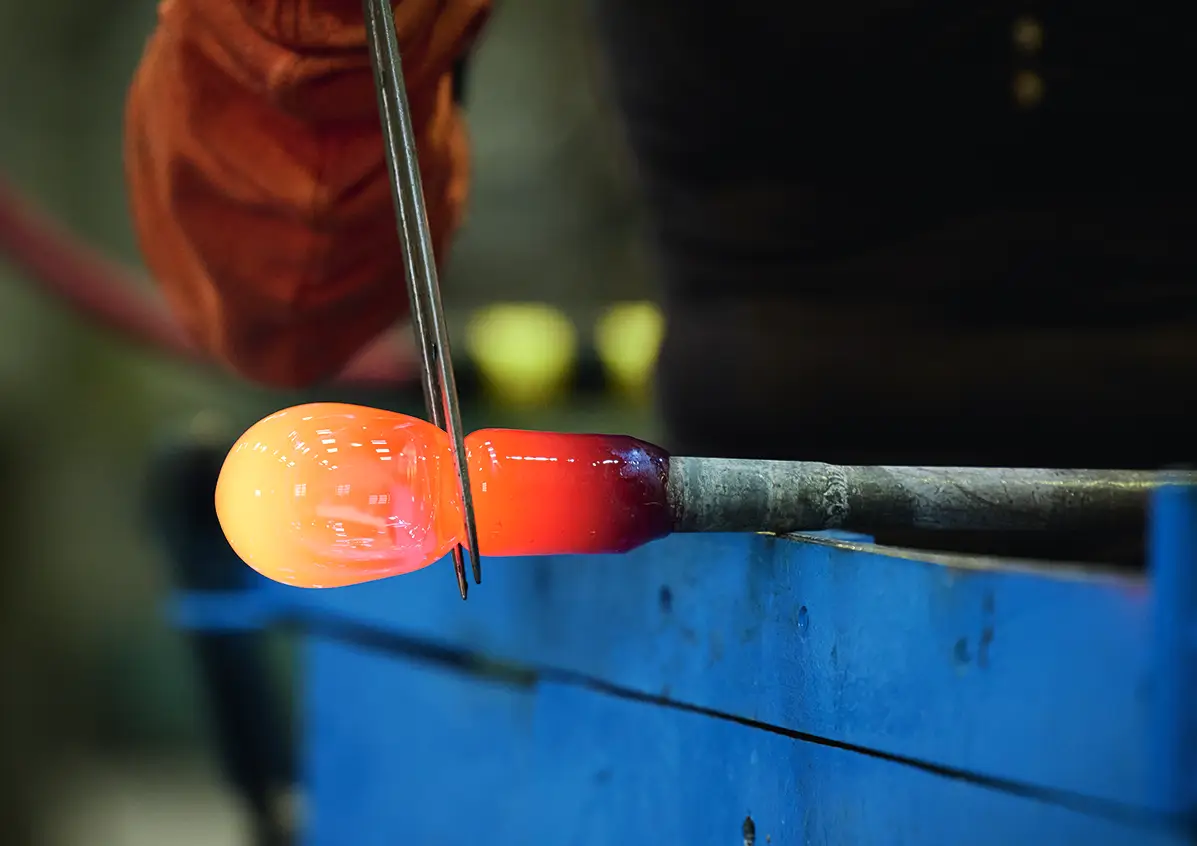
pixel 105 737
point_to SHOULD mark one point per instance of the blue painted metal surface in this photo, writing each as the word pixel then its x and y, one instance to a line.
pixel 1174 640
pixel 831 691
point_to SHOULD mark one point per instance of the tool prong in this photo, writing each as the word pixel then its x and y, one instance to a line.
pixel 423 287
pixel 459 569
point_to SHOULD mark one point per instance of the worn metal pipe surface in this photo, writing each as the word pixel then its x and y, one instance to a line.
pixel 729 495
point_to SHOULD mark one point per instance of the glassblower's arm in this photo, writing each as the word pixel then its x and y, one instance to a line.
pixel 257 180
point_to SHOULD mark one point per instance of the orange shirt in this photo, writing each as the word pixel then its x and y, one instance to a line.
pixel 256 174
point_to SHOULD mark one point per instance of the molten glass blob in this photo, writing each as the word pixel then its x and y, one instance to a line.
pixel 546 493
pixel 326 494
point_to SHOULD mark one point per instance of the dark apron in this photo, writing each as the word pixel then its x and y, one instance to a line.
pixel 909 233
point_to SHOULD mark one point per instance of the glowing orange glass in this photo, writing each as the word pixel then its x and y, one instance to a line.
pixel 326 494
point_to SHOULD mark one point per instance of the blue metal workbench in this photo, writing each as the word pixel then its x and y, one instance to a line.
pixel 728 689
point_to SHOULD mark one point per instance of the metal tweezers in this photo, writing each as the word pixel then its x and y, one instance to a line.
pixel 423 287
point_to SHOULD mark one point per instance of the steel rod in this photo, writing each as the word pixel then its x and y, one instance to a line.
pixel 724 495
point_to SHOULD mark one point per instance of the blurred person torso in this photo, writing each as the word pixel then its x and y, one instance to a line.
pixel 898 232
